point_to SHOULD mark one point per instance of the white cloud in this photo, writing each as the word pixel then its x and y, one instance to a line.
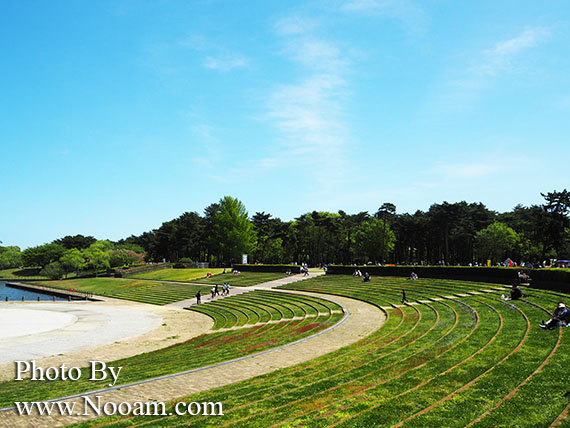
pixel 309 112
pixel 317 54
pixel 405 11
pixel 225 63
pixel 500 59
pixel 295 25
pixel 195 42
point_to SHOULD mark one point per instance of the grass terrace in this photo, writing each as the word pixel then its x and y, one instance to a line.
pixel 264 306
pixel 201 351
pixel 458 356
pixel 244 279
pixel 183 275
pixel 156 293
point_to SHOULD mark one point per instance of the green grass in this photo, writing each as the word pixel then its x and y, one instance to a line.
pixel 263 306
pixel 201 351
pixel 157 293
pixel 184 275
pixel 445 362
pixel 244 279
pixel 21 274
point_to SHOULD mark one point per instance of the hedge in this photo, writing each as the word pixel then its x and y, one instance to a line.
pixel 268 268
pixel 551 279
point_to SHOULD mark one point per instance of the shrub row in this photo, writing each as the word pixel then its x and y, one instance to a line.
pixel 550 279
pixel 267 268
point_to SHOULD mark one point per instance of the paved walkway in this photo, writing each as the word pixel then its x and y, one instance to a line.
pixel 235 290
pixel 364 319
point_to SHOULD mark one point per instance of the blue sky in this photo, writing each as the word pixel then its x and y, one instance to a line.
pixel 119 115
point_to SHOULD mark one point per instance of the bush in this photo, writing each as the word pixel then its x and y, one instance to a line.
pixel 186 260
pixel 53 271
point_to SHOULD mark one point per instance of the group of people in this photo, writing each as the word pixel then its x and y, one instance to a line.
pixel 225 290
pixel 560 317
pixel 413 276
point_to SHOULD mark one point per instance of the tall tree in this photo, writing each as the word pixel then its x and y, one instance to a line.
pixel 42 255
pixel 496 242
pixel 10 257
pixel 374 239
pixel 386 212
pixel 232 229
pixel 77 241
pixel 555 220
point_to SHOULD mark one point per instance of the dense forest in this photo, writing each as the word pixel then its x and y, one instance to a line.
pixel 447 233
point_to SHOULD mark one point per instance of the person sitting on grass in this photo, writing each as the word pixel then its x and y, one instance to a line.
pixel 516 293
pixel 560 318
pixel 413 276
pixel 366 277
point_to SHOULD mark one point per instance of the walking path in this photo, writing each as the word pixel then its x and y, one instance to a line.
pixel 235 290
pixel 362 320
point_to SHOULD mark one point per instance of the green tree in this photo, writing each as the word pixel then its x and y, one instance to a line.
pixel 386 213
pixel 97 256
pixel 233 231
pixel 53 271
pixel 496 242
pixel 42 255
pixel 374 239
pixel 71 261
pixel 10 257
pixel 555 220
pixel 77 241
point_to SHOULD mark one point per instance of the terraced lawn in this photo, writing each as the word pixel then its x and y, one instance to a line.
pixel 157 293
pixel 457 356
pixel 183 275
pixel 244 279
pixel 201 351
pixel 264 306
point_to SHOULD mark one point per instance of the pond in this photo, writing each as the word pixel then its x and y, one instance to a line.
pixel 15 294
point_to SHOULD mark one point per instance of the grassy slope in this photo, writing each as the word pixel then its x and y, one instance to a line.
pixel 440 363
pixel 21 274
pixel 132 289
pixel 188 275
pixel 244 279
pixel 200 351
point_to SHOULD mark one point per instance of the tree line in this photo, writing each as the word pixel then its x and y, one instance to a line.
pixel 447 233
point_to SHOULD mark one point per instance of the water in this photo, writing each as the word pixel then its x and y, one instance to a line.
pixel 15 294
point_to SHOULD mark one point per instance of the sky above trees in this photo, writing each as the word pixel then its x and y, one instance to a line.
pixel 120 115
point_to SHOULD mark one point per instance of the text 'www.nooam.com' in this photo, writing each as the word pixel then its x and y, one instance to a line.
pixel 94 406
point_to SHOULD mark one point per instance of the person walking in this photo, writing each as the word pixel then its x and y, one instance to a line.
pixel 198 297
